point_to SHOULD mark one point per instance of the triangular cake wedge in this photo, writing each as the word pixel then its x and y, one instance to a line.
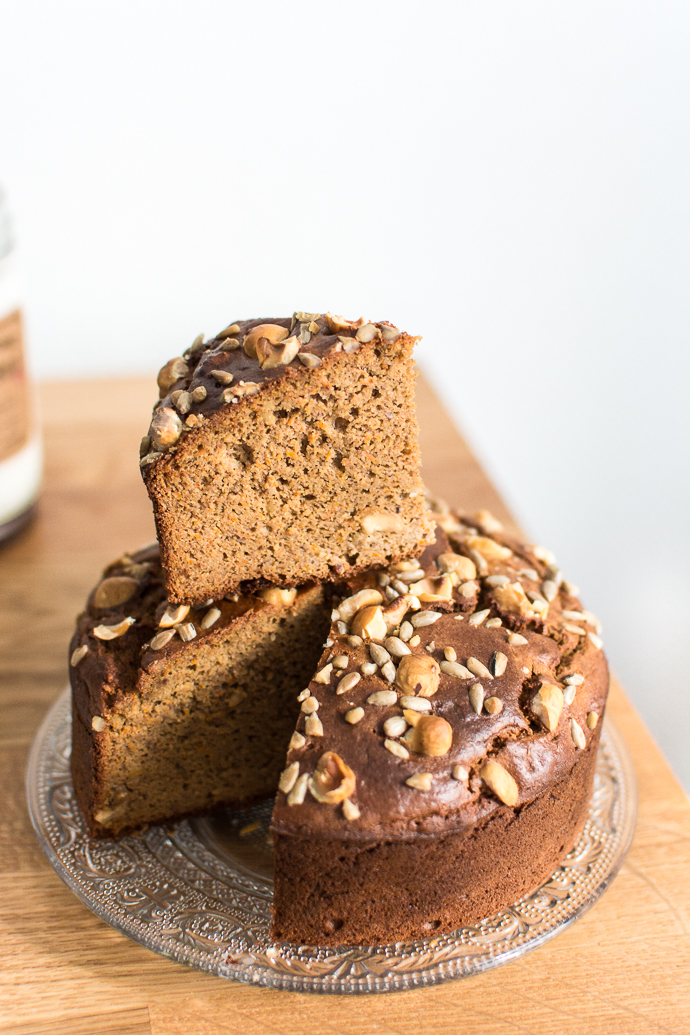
pixel 443 760
pixel 285 450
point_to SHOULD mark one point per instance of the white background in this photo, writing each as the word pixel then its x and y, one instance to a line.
pixel 511 179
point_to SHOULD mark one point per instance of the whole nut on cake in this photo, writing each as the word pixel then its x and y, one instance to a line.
pixel 463 567
pixel 547 705
pixel 273 333
pixel 369 623
pixel 173 371
pixel 432 735
pixel 166 428
pixel 418 674
pixel 116 590
pixel 333 780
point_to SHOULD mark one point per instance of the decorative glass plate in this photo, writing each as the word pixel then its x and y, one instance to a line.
pixel 200 891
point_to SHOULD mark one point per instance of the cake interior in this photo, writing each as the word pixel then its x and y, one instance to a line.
pixel 210 725
pixel 315 475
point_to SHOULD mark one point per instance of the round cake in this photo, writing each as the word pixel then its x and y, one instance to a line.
pixel 440 749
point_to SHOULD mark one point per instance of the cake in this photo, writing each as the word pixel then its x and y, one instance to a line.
pixel 443 761
pixel 432 764
pixel 177 709
pixel 284 451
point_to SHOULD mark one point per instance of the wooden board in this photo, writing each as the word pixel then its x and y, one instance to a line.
pixel 623 968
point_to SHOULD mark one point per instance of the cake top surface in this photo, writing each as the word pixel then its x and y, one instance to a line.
pixel 450 685
pixel 244 357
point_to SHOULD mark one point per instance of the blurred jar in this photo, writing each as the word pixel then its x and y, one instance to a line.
pixel 20 443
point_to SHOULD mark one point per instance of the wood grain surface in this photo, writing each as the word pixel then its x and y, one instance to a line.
pixel 624 967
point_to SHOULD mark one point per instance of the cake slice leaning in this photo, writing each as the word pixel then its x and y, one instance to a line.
pixel 177 709
pixel 285 450
pixel 443 760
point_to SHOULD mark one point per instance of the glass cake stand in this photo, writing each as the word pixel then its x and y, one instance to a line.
pixel 199 891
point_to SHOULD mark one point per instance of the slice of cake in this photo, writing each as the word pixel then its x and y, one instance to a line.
pixel 178 709
pixel 443 760
pixel 285 450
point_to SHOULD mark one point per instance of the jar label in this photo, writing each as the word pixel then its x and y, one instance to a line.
pixel 15 412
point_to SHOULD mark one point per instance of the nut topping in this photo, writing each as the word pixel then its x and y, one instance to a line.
pixel 210 618
pixel 272 331
pixel 456 670
pixel 350 810
pixel 547 705
pixel 489 549
pixel 351 605
pixel 418 674
pixel 280 355
pixel 338 324
pixel 463 567
pixel 500 782
pixel 578 735
pixel 275 595
pixel 115 590
pixel 499 663
pixel 493 705
pixel 223 377
pixel 78 655
pixel 98 723
pixel 112 632
pixel 354 716
pixel 512 598
pixel 161 639
pixel 173 616
pixel 367 333
pixel 478 669
pixel 173 371
pixel 369 623
pixel 476 694
pixel 420 781
pixel 348 682
pixel 432 736
pixel 383 698
pixel 299 791
pixel 333 781
pixel 381 521
pixel 288 778
pixel 309 360
pixel 165 429
pixel 430 590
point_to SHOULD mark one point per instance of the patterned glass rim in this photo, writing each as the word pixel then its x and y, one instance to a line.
pixel 177 891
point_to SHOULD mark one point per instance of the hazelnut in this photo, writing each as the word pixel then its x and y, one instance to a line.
pixel 338 324
pixel 418 674
pixel 369 623
pixel 432 735
pixel 381 521
pixel 429 590
pixel 487 548
pixel 547 705
pixel 511 597
pixel 333 781
pixel 367 332
pixel 173 371
pixel 351 605
pixel 281 597
pixel 270 355
pixel 500 782
pixel 166 428
pixel 117 589
pixel 272 331
pixel 463 567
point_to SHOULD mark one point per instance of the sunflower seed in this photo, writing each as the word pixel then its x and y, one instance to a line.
pixel 477 669
pixel 288 778
pixel 496 580
pixel 577 734
pixel 528 573
pixel 422 618
pixel 186 631
pixel 420 781
pixel 479 616
pixel 499 663
pixel 575 629
pixel 406 631
pixel 493 623
pixel 549 589
pixel 576 679
pixel 468 589
pixel 569 693
pixel 516 640
pixel 395 646
pixel 576 616
pixel 596 640
pixel 350 810
pixel 416 704
pixel 383 698
pixel 210 618
pixel 298 792
pixel 355 641
pixel 383 579
pixel 354 716
pixel 348 682
pixel 395 726
pixel 396 748
pixel 455 669
pixel 391 594
pixel 199 394
pixel 449 654
pixel 161 638
pixel 78 655
pixel 388 671
pixel 542 553
pixel 476 695
pixel 592 720
pixel 415 641
pixel 571 589
pixel 224 377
